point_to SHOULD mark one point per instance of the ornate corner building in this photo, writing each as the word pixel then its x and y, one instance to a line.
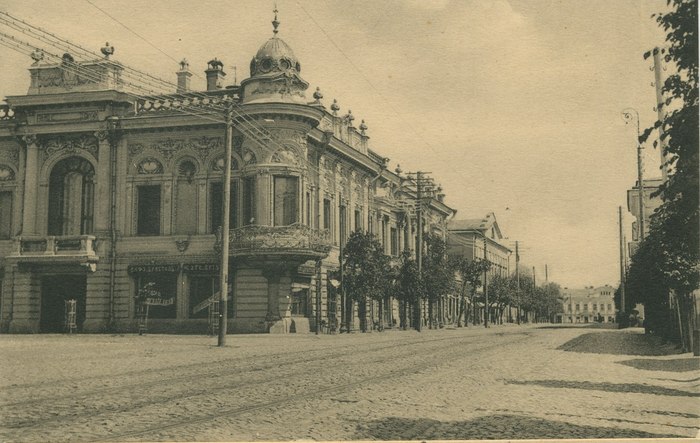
pixel 104 193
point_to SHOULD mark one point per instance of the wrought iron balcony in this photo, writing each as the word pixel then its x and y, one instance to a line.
pixel 49 249
pixel 295 240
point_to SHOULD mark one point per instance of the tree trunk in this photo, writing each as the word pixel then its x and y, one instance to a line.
pixel 460 310
pixel 381 316
pixel 430 314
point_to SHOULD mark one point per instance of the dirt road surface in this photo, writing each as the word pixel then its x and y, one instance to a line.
pixel 505 382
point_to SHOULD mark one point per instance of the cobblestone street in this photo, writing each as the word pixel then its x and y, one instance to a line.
pixel 506 382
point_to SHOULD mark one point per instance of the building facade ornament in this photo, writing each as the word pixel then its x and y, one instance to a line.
pixel 85 143
pixel 6 173
pixel 150 165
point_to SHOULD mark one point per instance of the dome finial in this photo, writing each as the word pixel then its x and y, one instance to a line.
pixel 275 22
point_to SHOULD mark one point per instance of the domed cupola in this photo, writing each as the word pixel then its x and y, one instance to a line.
pixel 273 57
pixel 274 73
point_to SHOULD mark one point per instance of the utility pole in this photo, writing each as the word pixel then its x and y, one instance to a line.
pixel 546 276
pixel 421 182
pixel 486 291
pixel 622 261
pixel 419 246
pixel 225 224
pixel 534 278
pixel 517 277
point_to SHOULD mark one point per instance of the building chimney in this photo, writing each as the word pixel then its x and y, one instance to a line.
pixel 215 74
pixel 183 77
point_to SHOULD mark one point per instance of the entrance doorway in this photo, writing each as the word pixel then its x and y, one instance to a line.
pixel 55 290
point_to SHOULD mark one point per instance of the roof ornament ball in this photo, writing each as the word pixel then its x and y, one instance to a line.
pixel 398 170
pixel 363 127
pixel 107 50
pixel 318 95
pixel 335 107
pixel 37 55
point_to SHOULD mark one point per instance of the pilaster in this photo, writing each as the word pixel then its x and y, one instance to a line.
pixel 102 186
pixel 31 180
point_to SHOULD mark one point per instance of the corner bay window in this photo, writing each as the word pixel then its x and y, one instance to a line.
pixel 148 212
pixel 286 190
pixel 249 201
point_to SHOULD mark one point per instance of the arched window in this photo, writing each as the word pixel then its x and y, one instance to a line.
pixel 71 197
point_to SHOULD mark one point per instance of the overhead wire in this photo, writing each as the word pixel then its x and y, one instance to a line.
pixel 181 101
pixel 369 82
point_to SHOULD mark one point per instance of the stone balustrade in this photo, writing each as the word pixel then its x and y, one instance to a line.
pixel 183 102
pixel 55 248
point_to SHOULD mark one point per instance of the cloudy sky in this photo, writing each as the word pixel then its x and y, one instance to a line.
pixel 513 105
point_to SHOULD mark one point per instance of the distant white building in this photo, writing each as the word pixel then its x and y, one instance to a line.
pixel 588 305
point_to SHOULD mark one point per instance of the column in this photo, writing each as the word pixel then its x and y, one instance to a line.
pixel 30 185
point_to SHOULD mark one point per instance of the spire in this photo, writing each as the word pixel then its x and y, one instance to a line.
pixel 275 22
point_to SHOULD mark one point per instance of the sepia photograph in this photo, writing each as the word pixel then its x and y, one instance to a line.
pixel 349 220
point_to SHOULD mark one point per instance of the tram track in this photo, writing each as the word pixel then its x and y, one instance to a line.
pixel 293 358
pixel 416 367
pixel 245 390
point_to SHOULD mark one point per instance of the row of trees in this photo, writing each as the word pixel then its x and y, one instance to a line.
pixel 369 274
pixel 663 275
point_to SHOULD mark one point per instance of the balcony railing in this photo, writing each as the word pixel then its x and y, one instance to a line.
pixel 295 240
pixel 56 248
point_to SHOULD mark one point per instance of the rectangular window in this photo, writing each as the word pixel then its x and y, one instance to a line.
pixel 161 290
pixel 249 201
pixel 216 202
pixel 308 209
pixel 286 191
pixel 343 226
pixel 578 307
pixel 609 308
pixel 201 291
pixel 148 212
pixel 394 242
pixel 358 220
pixel 5 215
pixel 327 214
pixel 595 306
pixel 383 233
pixel 300 304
